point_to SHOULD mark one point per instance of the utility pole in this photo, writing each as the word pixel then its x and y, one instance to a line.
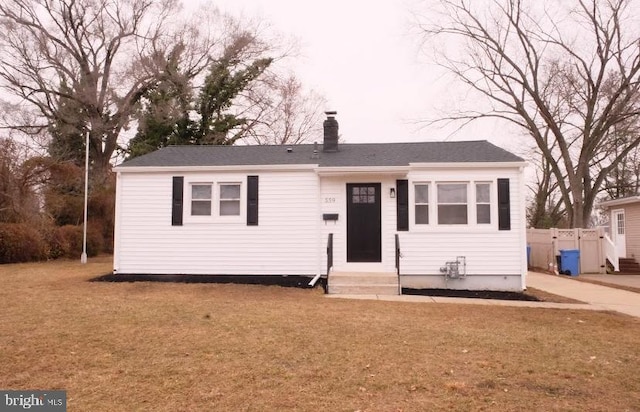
pixel 83 257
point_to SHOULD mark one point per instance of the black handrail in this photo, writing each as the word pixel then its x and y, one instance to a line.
pixel 329 253
pixel 398 256
pixel 329 261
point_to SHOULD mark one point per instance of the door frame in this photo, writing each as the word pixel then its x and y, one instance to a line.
pixel 618 232
pixel 377 228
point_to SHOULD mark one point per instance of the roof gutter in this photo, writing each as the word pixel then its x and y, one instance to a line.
pixel 320 170
pixel 232 168
pixel 469 165
pixel 360 170
pixel 620 202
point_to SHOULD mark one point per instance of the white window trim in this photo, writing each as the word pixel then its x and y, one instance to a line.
pixel 218 200
pixel 188 201
pixel 471 226
pixel 413 204
pixel 215 217
pixel 437 203
pixel 491 202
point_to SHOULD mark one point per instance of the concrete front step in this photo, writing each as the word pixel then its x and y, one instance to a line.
pixel 363 278
pixel 362 283
pixel 363 289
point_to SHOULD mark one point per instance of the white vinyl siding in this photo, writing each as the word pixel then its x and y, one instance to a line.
pixel 632 229
pixel 291 237
pixel 333 200
pixel 284 243
pixel 498 257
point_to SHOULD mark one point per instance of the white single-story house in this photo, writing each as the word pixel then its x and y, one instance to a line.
pixel 427 215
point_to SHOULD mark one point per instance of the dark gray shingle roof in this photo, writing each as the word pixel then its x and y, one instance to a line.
pixel 366 154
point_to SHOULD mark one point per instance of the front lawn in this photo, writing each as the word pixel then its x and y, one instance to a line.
pixel 204 347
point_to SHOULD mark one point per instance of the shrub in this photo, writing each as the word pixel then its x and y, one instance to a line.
pixel 66 241
pixel 58 243
pixel 20 242
pixel 102 210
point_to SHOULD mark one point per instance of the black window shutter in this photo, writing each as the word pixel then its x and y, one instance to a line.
pixel 176 203
pixel 402 204
pixel 252 200
pixel 504 205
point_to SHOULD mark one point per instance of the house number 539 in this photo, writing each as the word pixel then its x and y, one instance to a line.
pixel 329 199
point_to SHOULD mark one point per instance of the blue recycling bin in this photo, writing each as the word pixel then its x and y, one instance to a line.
pixel 570 261
pixel 528 256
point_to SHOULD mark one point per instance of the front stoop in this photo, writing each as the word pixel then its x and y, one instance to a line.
pixel 363 283
pixel 628 266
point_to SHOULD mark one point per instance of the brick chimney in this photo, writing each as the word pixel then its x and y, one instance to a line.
pixel 330 143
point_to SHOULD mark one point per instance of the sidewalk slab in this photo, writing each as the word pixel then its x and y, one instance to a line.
pixel 470 301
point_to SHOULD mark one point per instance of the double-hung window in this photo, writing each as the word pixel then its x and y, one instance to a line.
pixel 472 203
pixel 201 199
pixel 452 204
pixel 483 203
pixel 421 193
pixel 229 199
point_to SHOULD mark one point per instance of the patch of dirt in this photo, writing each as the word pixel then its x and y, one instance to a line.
pixel 477 294
pixel 530 295
pixel 285 281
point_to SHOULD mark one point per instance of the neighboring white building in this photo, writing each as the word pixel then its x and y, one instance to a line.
pixel 456 210
pixel 624 223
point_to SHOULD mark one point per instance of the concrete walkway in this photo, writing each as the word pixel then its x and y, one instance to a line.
pixel 600 297
pixel 467 301
pixel 596 297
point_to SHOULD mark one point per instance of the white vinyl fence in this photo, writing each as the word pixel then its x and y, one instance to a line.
pixel 593 244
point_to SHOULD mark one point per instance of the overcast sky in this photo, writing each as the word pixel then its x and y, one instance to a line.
pixel 362 57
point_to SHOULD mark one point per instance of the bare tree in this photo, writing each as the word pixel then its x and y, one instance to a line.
pixel 20 175
pixel 99 55
pixel 624 179
pixel 286 113
pixel 545 209
pixel 572 70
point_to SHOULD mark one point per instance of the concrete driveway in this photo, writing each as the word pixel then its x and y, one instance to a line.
pixel 601 297
pixel 621 280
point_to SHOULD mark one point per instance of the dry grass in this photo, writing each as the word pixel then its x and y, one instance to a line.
pixel 203 347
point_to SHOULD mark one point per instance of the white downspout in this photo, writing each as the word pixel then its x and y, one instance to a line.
pixel 117 224
pixel 523 229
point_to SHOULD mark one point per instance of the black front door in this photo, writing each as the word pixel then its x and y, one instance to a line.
pixel 363 222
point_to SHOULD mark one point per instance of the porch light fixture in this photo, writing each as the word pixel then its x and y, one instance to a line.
pixel 392 193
